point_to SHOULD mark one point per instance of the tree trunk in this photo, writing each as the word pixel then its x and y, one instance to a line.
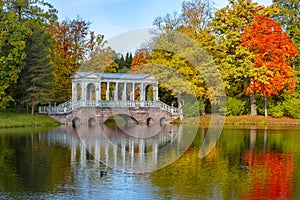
pixel 203 110
pixel 32 105
pixel 266 107
pixel 18 106
pixel 180 106
pixel 253 111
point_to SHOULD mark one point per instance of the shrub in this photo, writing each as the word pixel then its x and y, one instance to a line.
pixel 277 111
pixel 235 106
pixel 292 107
pixel 192 107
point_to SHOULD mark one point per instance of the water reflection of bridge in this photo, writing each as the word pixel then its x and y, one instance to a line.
pixel 125 152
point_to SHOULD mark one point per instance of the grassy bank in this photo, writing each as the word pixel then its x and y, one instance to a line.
pixel 246 120
pixel 9 120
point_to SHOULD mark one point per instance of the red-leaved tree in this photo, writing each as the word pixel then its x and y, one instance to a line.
pixel 273 50
pixel 140 61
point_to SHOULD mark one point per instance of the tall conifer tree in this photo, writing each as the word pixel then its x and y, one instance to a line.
pixel 37 76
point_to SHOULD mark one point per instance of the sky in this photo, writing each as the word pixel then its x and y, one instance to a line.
pixel 114 17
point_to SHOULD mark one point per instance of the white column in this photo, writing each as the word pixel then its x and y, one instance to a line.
pixel 100 88
pixel 91 91
pixel 142 93
pixel 98 92
pixel 107 91
pixel 132 94
pixel 74 91
pixel 116 92
pixel 83 93
pixel 155 92
pixel 124 92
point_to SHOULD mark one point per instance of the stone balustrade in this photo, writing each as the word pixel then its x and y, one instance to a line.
pixel 72 105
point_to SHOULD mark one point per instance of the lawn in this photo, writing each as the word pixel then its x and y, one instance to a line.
pixel 9 120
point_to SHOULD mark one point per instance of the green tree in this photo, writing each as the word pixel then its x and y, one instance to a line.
pixel 22 15
pixel 12 55
pixel 234 60
pixel 289 19
pixel 183 65
pixel 124 62
pixel 37 72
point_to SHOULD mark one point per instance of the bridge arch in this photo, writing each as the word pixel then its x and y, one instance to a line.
pixel 128 119
pixel 75 122
pixel 150 121
pixel 162 121
pixel 91 122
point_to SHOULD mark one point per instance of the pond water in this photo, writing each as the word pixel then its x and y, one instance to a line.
pixel 109 163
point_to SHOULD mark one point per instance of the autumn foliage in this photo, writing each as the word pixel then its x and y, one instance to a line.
pixel 139 62
pixel 273 51
pixel 67 54
pixel 271 174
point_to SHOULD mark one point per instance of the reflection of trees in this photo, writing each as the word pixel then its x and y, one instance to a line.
pixel 245 164
pixel 29 162
pixel 271 175
pixel 40 162
pixel 213 177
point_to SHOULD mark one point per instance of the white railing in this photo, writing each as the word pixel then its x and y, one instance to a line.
pixel 70 106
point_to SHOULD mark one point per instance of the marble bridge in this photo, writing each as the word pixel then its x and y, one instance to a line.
pixel 96 97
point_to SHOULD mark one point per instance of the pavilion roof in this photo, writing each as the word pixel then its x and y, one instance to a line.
pixel 111 76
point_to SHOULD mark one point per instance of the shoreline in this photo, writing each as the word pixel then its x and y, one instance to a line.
pixel 14 120
pixel 245 121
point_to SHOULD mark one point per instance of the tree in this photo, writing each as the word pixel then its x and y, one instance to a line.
pixel 234 60
pixel 181 62
pixel 289 19
pixel 100 58
pixel 12 55
pixel 273 50
pixel 27 14
pixel 37 74
pixel 124 63
pixel 196 17
pixel 140 61
pixel 67 54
